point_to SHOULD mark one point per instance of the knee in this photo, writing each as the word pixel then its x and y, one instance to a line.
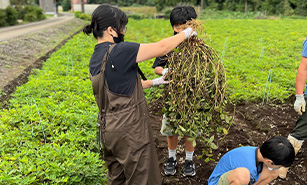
pixel 239 176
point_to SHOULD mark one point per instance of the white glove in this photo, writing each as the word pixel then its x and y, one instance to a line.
pixel 189 32
pixel 300 104
pixel 159 81
pixel 164 71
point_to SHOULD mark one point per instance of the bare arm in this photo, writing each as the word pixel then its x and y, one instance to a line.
pixel 147 84
pixel 301 76
pixel 148 51
pixel 266 176
pixel 158 70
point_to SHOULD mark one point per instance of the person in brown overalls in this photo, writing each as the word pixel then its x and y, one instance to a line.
pixel 128 145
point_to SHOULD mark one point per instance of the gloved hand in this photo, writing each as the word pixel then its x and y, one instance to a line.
pixel 164 71
pixel 159 81
pixel 189 32
pixel 300 104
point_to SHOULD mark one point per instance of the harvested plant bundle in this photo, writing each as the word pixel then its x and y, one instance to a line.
pixel 195 96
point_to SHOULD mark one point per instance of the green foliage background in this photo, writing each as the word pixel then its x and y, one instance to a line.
pixel 28 13
pixel 249 49
pixel 48 133
pixel 252 49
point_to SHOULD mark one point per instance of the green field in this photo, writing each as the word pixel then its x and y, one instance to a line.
pixel 250 49
pixel 48 133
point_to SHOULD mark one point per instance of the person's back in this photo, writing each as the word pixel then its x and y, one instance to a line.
pixel 121 69
pixel 238 157
pixel 252 165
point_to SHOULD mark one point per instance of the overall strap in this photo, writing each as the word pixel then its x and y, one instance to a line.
pixel 102 71
pixel 141 73
pixel 106 58
pixel 100 96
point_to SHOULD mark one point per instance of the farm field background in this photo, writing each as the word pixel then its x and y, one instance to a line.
pixel 249 50
pixel 48 132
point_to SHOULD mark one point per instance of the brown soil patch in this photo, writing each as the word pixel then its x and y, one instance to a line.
pixel 254 123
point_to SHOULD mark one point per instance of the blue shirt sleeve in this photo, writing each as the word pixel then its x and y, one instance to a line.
pixel 304 53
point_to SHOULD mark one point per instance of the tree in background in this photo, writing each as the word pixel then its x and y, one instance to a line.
pixel 288 10
pixel 23 2
pixel 161 4
pixel 273 6
pixel 123 2
pixel 301 7
pixel 100 1
pixel 286 7
pixel 59 2
pixel 66 5
pixel 11 16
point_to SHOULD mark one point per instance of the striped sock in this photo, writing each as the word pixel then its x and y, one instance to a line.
pixel 172 153
pixel 189 156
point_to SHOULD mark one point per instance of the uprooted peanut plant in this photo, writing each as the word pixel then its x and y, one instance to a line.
pixel 194 99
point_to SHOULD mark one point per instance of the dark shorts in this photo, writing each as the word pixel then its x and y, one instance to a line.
pixel 300 129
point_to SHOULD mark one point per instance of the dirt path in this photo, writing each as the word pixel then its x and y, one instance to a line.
pixel 35 42
pixel 10 32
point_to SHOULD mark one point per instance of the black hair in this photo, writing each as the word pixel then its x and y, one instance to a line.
pixel 279 150
pixel 182 14
pixel 104 16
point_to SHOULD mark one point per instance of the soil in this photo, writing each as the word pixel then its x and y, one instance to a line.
pixel 253 123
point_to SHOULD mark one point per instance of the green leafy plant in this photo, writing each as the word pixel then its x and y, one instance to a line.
pixel 12 15
pixel 33 13
pixel 3 18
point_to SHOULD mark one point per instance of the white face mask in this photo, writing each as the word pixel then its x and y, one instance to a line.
pixel 271 169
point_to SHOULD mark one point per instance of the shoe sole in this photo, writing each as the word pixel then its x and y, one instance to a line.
pixel 173 173
pixel 189 174
pixel 168 174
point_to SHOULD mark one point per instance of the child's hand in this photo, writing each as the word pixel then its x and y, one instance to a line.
pixel 159 81
pixel 189 32
pixel 164 71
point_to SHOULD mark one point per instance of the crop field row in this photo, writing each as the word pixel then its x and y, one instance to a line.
pixel 48 133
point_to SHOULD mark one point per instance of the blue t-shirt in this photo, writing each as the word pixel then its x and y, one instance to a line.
pixel 304 53
pixel 238 157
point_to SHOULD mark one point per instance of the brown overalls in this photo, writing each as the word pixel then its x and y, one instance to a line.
pixel 128 145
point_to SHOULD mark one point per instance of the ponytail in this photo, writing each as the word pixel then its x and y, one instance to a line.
pixel 88 29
